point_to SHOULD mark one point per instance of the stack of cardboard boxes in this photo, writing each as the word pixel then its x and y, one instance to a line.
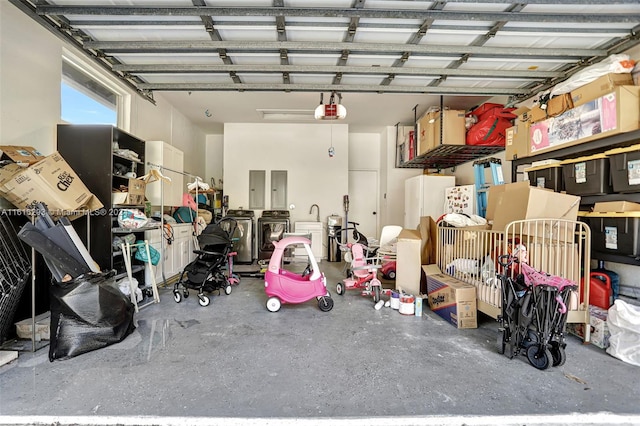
pixel 605 107
pixel 453 299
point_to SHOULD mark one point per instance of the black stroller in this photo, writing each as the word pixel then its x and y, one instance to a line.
pixel 534 314
pixel 207 272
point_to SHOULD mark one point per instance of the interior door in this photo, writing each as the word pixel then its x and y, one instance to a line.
pixel 363 201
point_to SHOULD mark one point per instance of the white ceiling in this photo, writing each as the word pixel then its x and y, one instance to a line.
pixel 221 61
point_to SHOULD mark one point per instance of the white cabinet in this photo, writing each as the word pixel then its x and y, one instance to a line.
pixel 156 240
pixel 177 255
pixel 183 246
pixel 314 229
pixel 172 160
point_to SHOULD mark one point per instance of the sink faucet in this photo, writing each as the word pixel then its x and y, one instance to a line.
pixel 317 211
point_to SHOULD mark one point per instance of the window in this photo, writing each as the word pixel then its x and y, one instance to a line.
pixel 85 99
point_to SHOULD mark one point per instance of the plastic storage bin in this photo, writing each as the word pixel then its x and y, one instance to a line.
pixel 616 235
pixel 587 175
pixel 547 176
pixel 624 164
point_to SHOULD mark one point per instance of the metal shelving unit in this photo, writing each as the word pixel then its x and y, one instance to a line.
pixel 583 149
pixel 448 156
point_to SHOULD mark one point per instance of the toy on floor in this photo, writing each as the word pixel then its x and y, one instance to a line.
pixel 362 274
pixel 283 286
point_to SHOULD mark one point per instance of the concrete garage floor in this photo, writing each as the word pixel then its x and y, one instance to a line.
pixel 234 362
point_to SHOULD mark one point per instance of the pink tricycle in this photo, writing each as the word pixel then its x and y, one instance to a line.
pixel 283 286
pixel 363 275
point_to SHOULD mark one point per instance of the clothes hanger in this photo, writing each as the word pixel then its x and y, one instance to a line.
pixel 153 176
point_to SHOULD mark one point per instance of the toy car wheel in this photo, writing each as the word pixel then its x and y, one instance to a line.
pixel 539 357
pixel 185 293
pixel 177 296
pixel 227 289
pixel 391 275
pixel 558 354
pixel 273 304
pixel 325 303
pixel 340 288
pixel 376 294
pixel 203 300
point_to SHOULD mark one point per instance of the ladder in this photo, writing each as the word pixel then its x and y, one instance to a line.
pixel 481 187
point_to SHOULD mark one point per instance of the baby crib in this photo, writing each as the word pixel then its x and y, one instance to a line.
pixel 556 246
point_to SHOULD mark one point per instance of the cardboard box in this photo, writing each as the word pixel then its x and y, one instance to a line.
pixel 450 298
pixel 453 130
pixel 600 333
pixel 133 197
pixel 614 113
pixel 599 87
pixel 408 262
pixel 50 181
pixel 24 328
pixel 22 155
pixel 429 240
pixel 537 114
pixel 559 104
pixel 616 206
pixel 517 141
pixel 520 201
pixel 523 112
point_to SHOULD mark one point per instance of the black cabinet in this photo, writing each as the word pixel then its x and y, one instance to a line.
pixel 95 153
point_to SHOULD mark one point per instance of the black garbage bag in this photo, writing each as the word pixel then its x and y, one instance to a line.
pixel 88 313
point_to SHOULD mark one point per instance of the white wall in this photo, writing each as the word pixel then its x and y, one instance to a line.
pixel 392 188
pixel 29 81
pixel 301 149
pixel 214 158
pixel 30 76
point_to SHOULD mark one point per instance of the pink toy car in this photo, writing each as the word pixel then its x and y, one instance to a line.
pixel 283 286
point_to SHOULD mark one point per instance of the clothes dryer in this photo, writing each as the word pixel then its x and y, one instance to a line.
pixel 244 236
pixel 272 226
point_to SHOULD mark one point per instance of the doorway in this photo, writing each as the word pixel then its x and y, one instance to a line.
pixel 363 201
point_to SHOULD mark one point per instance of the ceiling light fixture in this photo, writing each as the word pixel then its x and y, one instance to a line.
pixel 330 111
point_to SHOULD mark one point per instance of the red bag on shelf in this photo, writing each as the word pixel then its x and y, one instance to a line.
pixel 493 121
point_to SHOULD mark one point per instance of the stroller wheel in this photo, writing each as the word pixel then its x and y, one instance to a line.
pixel 502 342
pixel 539 357
pixel 325 303
pixel 203 300
pixel 177 296
pixel 185 293
pixel 273 304
pixel 340 288
pixel 530 339
pixel 227 289
pixel 558 354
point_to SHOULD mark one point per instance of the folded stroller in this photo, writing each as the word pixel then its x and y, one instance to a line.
pixel 534 314
pixel 207 272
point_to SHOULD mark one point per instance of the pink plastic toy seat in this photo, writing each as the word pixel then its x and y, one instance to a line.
pixel 359 261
